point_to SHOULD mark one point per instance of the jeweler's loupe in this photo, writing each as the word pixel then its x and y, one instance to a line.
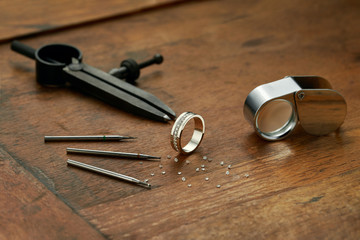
pixel 276 108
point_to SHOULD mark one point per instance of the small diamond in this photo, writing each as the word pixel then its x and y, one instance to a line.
pixel 227 173
pixel 189 185
pixel 146 180
pixel 203 169
pixel 197 169
pixel 176 159
pixel 229 166
pixel 222 163
pixel 206 179
pixel 209 159
pixel 202 165
pixel 183 179
pixel 246 175
pixel 152 174
pixel 179 173
pixel 168 156
pixel 163 173
pixel 160 166
pixel 218 186
pixel 205 158
pixel 140 163
pixel 187 161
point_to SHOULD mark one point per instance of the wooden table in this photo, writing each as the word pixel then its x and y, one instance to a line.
pixel 216 52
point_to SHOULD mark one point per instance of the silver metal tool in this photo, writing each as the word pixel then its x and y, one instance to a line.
pixel 112 154
pixel 276 108
pixel 87 138
pixel 108 173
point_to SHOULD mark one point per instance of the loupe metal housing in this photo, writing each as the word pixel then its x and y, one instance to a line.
pixel 276 108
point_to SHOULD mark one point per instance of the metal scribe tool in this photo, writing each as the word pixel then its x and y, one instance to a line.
pixel 112 154
pixel 108 173
pixel 61 65
pixel 87 138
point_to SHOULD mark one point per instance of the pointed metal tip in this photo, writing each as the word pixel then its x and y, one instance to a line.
pixel 172 114
pixel 152 157
pixel 128 137
pixel 166 118
pixel 144 184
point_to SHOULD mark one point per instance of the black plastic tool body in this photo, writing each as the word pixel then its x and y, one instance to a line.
pixel 58 64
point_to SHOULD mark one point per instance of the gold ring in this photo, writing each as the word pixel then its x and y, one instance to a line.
pixel 197 136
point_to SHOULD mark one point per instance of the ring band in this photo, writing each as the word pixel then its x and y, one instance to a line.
pixel 178 128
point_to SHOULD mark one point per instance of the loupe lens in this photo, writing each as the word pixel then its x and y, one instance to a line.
pixel 276 119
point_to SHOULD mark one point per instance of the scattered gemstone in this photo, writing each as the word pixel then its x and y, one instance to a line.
pixel 189 185
pixel 229 166
pixel 222 163
pixel 202 165
pixel 179 173
pixel 203 169
pixel 140 163
pixel 227 172
pixel 187 161
pixel 160 166
pixel 146 180
pixel 197 169
pixel 209 159
pixel 246 175
pixel 218 186
pixel 163 173
pixel 183 179
pixel 206 179
pixel 205 158
pixel 176 159
pixel 168 156
pixel 152 174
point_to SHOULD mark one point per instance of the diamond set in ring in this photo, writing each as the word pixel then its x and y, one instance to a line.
pixel 179 126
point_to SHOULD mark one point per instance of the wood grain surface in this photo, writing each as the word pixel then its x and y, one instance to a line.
pixel 216 52
pixel 30 211
pixel 20 18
